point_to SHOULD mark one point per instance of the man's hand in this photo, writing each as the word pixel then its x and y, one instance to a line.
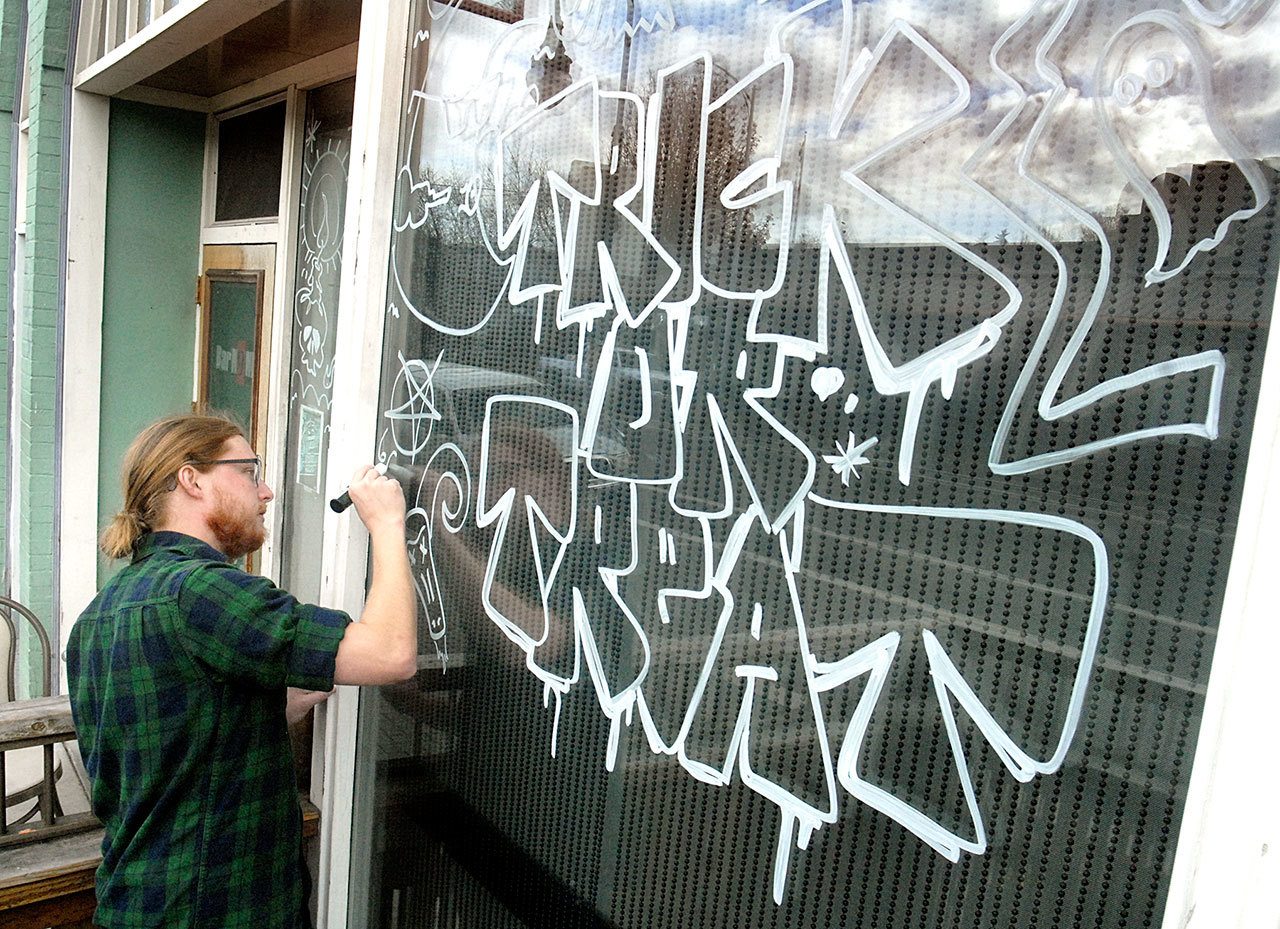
pixel 299 702
pixel 378 499
pixel 382 647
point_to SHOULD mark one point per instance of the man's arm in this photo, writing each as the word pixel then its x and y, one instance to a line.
pixel 382 647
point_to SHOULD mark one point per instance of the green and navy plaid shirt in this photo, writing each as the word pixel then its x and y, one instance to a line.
pixel 177 673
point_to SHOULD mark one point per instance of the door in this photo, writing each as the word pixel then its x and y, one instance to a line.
pixel 232 374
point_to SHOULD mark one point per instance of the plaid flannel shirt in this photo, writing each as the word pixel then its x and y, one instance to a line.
pixel 177 673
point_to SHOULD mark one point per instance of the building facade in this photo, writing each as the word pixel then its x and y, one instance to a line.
pixel 838 435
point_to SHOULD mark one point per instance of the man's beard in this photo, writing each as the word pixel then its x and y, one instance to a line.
pixel 238 533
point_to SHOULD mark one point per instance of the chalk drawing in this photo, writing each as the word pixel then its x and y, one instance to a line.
pixel 1048 407
pixel 443 498
pixel 826 381
pixel 320 226
pixel 415 416
pixel 850 457
pixel 606 552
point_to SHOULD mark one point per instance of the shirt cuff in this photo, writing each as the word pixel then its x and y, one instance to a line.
pixel 315 647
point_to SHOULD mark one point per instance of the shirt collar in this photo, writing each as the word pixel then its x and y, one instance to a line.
pixel 177 543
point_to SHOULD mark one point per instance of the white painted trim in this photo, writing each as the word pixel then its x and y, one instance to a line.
pixel 1227 866
pixel 280 94
pixel 90 31
pixel 130 19
pixel 197 347
pixel 81 385
pixel 110 23
pixel 314 72
pixel 323 69
pixel 173 99
pixel 277 412
pixel 371 192
pixel 240 234
pixel 237 232
pixel 209 189
pixel 186 28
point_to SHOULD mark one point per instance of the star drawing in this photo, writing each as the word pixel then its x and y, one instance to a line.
pixel 851 457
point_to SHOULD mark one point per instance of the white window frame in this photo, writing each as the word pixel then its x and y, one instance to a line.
pixel 257 230
pixel 282 232
pixel 1227 865
pixel 81 386
pixel 375 140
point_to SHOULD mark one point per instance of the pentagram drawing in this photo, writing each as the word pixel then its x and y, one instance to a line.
pixel 413 412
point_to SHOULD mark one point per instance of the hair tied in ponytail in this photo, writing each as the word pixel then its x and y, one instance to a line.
pixel 122 535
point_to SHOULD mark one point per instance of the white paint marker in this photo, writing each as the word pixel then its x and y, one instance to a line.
pixel 340 503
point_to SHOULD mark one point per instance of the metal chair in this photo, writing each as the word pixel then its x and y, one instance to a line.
pixel 36 778
pixel 9 643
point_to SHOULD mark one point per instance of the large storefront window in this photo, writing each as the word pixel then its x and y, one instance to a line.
pixel 824 428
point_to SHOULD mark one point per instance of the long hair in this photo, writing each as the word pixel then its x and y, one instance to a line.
pixel 150 470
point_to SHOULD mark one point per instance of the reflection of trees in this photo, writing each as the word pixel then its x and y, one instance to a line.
pixel 452 276
pixel 450 223
pixel 731 142
pixel 732 138
pixel 458 276
pixel 445 224
pixel 522 167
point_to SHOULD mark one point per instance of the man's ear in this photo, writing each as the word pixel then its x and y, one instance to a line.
pixel 190 481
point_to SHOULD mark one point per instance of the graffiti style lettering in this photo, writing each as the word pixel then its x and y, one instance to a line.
pixel 659 520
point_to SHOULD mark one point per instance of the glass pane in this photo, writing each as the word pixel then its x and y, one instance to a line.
pixel 250 155
pixel 233 347
pixel 825 429
pixel 325 169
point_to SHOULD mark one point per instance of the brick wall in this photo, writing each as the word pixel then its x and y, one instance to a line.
pixel 10 55
pixel 33 489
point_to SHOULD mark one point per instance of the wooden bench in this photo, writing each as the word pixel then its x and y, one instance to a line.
pixel 49 883
pixel 39 723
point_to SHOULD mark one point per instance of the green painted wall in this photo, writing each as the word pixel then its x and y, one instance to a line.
pixel 154 167
pixel 10 54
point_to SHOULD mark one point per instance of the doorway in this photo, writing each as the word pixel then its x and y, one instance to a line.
pixel 234 338
pixel 236 283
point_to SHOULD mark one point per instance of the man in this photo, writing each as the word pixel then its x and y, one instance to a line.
pixel 178 673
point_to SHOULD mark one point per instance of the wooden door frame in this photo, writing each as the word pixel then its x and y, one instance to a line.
pixel 225 262
pixel 255 262
pixel 233 276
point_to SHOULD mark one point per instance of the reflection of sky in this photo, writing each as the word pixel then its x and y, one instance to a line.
pixel 480 67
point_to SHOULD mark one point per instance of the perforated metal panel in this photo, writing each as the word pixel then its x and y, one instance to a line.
pixel 824 426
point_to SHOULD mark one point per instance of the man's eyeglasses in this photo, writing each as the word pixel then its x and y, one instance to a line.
pixel 256 462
